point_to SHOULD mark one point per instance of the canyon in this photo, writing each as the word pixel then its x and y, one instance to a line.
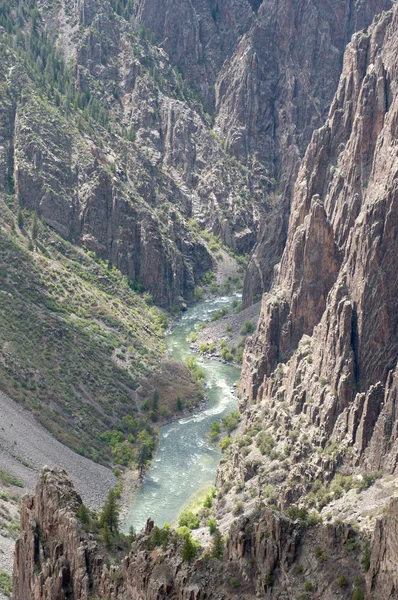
pixel 192 133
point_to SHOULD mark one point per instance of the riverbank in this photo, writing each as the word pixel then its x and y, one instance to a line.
pixel 185 460
pixel 224 338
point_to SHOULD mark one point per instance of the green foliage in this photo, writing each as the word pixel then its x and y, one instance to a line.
pixel 203 347
pixel 215 431
pixel 225 443
pixel 110 514
pixel 358 594
pixel 189 550
pixel 218 314
pixel 247 328
pixel 160 537
pixel 212 523
pixel 9 479
pixel 308 586
pixel 265 442
pixel 238 508
pixel 366 552
pixel 217 548
pixel 230 422
pixel 234 582
pixel 297 513
pixel 319 554
pixel 5 581
pixel 269 579
pixel 196 372
pixel 189 519
pixel 83 514
pixel 179 406
pixel 208 501
pixel 342 581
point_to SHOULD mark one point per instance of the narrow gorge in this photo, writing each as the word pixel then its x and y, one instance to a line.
pixel 192 193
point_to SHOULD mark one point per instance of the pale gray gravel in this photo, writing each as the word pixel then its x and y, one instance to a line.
pixel 22 436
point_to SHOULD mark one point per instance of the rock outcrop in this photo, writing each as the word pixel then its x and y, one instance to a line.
pixel 128 193
pixel 319 375
pixel 284 73
pixel 337 268
pixel 265 556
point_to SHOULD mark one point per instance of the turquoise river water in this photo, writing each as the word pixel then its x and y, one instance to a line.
pixel 185 460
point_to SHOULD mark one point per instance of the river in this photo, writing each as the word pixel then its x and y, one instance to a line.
pixel 185 461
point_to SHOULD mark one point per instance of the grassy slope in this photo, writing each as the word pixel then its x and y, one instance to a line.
pixel 75 341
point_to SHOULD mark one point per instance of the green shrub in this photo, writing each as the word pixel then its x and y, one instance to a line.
pixel 365 558
pixel 358 595
pixel 212 526
pixel 269 579
pixel 342 581
pixel 308 586
pixel 247 328
pixel 188 519
pixel 9 479
pixel 5 583
pixel 225 443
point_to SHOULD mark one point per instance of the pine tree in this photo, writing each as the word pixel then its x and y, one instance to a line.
pixel 189 550
pixel 35 227
pixel 218 545
pixel 110 513
pixel 155 401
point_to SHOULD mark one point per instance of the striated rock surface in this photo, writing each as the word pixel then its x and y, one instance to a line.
pixel 320 374
pixel 284 74
pixel 342 232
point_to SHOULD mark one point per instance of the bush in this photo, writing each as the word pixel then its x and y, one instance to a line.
pixel 308 586
pixel 203 347
pixel 247 328
pixel 342 581
pixel 358 595
pixel 269 579
pixel 234 582
pixel 188 519
pixel 265 442
pixel 218 545
pixel 190 548
pixel 215 430
pixel 225 443
pixel 212 526
pixel 237 509
pixel 365 558
pixel 83 514
pixel 5 583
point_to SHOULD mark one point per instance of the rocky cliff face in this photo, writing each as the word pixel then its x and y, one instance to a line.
pixel 267 555
pixel 341 239
pixel 285 72
pixel 128 193
pixel 56 559
pixel 319 375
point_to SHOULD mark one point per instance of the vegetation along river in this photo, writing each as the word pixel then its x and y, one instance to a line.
pixel 186 461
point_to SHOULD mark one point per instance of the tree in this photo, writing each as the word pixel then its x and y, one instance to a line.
pixel 155 401
pixel 110 513
pixel 142 457
pixel 20 220
pixel 83 514
pixel 35 227
pixel 218 545
pixel 178 403
pixel 189 550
